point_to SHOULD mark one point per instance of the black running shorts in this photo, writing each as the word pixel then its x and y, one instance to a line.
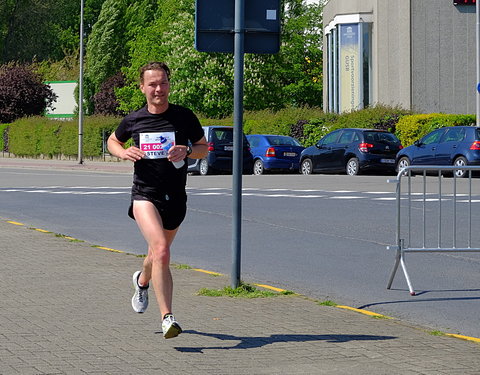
pixel 172 208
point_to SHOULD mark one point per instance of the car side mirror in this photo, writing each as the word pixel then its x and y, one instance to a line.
pixel 319 145
pixel 417 143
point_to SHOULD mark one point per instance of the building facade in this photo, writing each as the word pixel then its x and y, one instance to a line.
pixel 416 54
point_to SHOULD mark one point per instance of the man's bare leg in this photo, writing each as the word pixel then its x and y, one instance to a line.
pixel 156 266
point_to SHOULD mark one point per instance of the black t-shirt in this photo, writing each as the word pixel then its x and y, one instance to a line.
pixel 160 173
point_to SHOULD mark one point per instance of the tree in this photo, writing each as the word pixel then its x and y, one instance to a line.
pixel 43 29
pixel 204 81
pixel 302 54
pixel 22 93
pixel 105 100
pixel 7 9
pixel 107 47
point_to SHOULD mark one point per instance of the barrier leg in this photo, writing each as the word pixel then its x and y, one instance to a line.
pixel 399 261
pixel 410 287
pixel 394 271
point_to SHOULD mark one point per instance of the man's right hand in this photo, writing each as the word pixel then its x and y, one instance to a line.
pixel 132 153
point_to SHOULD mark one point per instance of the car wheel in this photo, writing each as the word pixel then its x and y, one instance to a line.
pixel 258 167
pixel 353 167
pixel 306 167
pixel 404 162
pixel 460 162
pixel 204 168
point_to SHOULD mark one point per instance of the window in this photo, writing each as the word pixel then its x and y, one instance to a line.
pixel 330 138
pixel 454 135
pixel 347 136
pixel 433 137
pixel 282 141
pixel 254 141
pixel 223 136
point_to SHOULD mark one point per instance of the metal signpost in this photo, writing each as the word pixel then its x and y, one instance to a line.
pixel 80 92
pixel 478 62
pixel 239 27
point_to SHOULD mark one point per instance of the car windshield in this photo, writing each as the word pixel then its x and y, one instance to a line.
pixel 382 137
pixel 282 141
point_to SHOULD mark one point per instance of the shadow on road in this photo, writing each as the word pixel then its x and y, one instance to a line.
pixel 415 299
pixel 248 342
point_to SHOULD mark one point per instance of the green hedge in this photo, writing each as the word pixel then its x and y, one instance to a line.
pixel 376 117
pixel 40 136
pixel 4 137
pixel 267 121
pixel 413 127
pixel 278 122
pixel 308 125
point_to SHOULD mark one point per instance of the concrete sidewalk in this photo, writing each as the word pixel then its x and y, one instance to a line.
pixel 66 310
pixel 114 165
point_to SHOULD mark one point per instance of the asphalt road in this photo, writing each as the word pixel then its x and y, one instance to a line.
pixel 322 235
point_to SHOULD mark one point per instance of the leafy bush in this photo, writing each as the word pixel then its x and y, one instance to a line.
pixel 279 122
pixel 227 121
pixel 377 117
pixel 4 137
pixel 309 124
pixel 22 93
pixel 317 128
pixel 65 69
pixel 40 136
pixel 105 101
pixel 380 117
pixel 411 128
pixel 288 121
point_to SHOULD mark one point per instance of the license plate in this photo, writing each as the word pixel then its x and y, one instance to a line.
pixel 291 154
pixel 228 148
pixel 387 161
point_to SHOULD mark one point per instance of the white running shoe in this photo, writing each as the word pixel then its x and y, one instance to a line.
pixel 170 327
pixel 140 298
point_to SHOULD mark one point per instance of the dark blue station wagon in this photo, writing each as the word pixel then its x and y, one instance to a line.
pixel 455 145
pixel 352 151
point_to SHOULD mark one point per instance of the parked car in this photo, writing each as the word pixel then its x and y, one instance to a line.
pixel 352 151
pixel 220 153
pixel 274 153
pixel 455 145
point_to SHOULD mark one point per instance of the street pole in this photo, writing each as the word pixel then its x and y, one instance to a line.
pixel 478 62
pixel 80 92
pixel 239 50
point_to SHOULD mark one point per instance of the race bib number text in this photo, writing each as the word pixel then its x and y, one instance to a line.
pixel 156 145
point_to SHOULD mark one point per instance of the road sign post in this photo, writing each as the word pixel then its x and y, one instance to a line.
pixel 478 63
pixel 239 27
pixel 238 141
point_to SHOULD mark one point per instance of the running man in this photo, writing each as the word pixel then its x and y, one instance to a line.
pixel 164 135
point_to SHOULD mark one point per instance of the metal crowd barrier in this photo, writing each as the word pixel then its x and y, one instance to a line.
pixel 428 220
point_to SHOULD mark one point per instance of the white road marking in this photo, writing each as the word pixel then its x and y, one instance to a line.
pixel 247 192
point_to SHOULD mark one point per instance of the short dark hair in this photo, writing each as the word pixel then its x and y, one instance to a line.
pixel 154 66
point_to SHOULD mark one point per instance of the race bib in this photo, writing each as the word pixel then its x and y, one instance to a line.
pixel 156 145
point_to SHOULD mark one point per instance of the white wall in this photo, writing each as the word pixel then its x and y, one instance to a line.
pixel 65 105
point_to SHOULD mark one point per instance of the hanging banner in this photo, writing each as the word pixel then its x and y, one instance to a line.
pixel 349 67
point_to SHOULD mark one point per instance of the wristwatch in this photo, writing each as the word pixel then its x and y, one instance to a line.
pixel 189 150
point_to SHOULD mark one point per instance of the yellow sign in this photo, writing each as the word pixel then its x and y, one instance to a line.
pixel 349 67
